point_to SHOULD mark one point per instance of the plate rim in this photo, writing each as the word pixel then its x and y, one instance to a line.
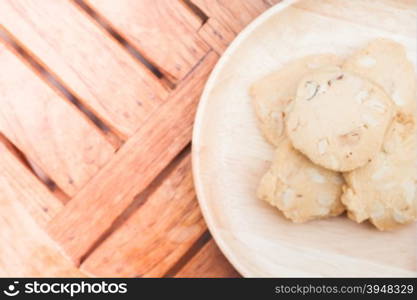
pixel 198 123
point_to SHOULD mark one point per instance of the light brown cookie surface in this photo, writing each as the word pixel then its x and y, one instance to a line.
pixel 385 62
pixel 271 94
pixel 384 191
pixel 338 119
pixel 300 189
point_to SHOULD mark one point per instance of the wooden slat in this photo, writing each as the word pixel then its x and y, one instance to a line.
pixel 228 18
pixel 153 239
pixel 19 184
pixel 235 14
pixel 272 2
pixel 50 131
pixel 26 250
pixel 217 35
pixel 134 166
pixel 208 262
pixel 164 31
pixel 91 63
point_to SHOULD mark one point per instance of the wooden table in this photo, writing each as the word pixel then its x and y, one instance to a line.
pixel 97 107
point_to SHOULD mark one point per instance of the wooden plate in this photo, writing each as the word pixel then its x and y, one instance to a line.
pixel 230 155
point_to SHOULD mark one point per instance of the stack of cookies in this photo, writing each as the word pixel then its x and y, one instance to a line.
pixel 345 134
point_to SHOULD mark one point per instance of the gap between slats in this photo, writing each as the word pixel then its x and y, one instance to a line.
pixel 192 251
pixel 133 51
pixel 137 204
pixel 52 80
pixel 35 170
pixel 196 11
pixel 139 200
pixel 181 104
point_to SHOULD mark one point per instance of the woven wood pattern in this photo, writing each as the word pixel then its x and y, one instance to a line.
pixel 97 107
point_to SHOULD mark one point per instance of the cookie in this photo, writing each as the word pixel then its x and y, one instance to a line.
pixel 271 94
pixel 385 62
pixel 300 189
pixel 338 119
pixel 384 191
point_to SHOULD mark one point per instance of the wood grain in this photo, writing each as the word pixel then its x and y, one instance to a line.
pixel 164 31
pixel 216 34
pixel 234 14
pixel 49 130
pixel 272 2
pixel 156 235
pixel 209 262
pixel 130 213
pixel 77 227
pixel 19 184
pixel 93 65
pixel 26 249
